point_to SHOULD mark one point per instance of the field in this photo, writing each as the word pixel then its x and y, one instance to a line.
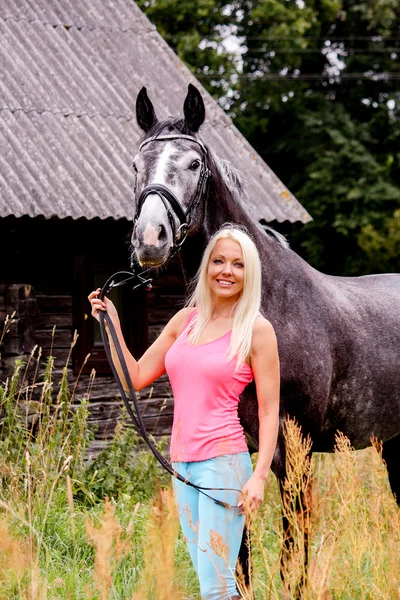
pixel 108 529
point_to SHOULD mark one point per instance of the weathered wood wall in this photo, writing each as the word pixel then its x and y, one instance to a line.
pixel 44 302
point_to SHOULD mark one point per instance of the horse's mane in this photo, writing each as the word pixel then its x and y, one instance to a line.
pixel 236 184
pixel 275 234
pixel 232 177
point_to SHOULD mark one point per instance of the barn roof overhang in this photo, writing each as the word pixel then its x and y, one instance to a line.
pixel 70 75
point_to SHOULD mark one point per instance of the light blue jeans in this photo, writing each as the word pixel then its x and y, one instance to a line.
pixel 213 532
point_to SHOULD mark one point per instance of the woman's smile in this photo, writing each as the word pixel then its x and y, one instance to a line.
pixel 226 269
pixel 224 282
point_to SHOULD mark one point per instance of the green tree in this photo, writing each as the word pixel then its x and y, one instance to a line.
pixel 316 93
pixel 319 100
pixel 383 246
pixel 195 30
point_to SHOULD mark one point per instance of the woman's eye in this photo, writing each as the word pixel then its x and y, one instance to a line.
pixel 216 261
pixel 195 165
pixel 239 264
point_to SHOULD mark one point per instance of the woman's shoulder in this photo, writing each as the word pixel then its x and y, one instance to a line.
pixel 180 319
pixel 263 332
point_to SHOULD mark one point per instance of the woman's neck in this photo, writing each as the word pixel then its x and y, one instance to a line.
pixel 222 309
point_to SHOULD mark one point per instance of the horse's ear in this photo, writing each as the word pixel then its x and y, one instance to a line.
pixel 145 115
pixel 193 109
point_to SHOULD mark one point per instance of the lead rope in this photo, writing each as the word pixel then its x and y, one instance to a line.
pixel 131 403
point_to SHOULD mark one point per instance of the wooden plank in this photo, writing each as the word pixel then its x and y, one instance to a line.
pixel 104 410
pixel 105 403
pixel 159 426
pixel 60 358
pixel 154 332
pixel 56 303
pixel 47 320
pixel 106 387
pixel 12 345
pixel 99 445
pixel 111 410
pixel 17 292
pixel 27 333
pixel 62 339
pixel 104 430
pixel 170 281
pixel 162 315
pixel 161 299
pixel 96 446
pixel 164 409
pixel 13 330
pixel 161 387
pixel 103 389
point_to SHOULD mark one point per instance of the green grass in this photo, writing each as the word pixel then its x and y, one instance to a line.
pixel 60 546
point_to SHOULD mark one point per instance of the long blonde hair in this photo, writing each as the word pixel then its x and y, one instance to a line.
pixel 247 307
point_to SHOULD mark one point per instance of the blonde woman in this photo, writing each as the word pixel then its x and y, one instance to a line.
pixel 211 350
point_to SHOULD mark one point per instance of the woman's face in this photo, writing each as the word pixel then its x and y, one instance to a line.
pixel 226 269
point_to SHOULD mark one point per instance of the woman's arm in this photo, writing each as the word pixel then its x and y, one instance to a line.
pixel 265 366
pixel 151 365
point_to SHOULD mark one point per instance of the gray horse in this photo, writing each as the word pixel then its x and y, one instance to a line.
pixel 338 337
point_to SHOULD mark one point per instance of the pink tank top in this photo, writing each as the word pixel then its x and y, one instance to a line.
pixel 206 392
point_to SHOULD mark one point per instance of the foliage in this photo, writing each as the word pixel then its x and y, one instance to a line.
pixel 195 30
pixel 382 246
pixel 54 544
pixel 346 187
pixel 329 131
pixel 41 436
pixel 48 489
pixel 124 467
pixel 314 89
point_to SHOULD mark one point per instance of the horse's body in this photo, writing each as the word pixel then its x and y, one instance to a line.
pixel 339 346
pixel 338 337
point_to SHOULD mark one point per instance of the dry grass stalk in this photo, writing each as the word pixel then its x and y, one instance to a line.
pixel 18 567
pixel 264 573
pixel 358 524
pixel 9 321
pixel 14 556
pixel 296 504
pixel 37 589
pixel 109 546
pixel 159 552
pixel 218 545
pixel 71 507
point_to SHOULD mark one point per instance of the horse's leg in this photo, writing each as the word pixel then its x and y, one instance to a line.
pixel 391 454
pixel 243 570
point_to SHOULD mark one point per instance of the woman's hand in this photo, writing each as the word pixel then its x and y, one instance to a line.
pixel 252 494
pixel 106 305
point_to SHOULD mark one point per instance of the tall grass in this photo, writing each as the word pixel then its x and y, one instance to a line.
pixel 71 529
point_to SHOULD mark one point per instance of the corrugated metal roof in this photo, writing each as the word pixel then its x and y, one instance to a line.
pixel 70 73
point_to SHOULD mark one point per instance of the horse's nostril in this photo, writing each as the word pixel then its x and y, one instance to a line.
pixel 163 233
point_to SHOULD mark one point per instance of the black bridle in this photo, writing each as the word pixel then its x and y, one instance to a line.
pixel 179 236
pixel 169 199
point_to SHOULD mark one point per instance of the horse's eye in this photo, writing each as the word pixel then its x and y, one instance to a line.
pixel 195 165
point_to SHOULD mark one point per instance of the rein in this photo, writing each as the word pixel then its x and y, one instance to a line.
pixel 185 218
pixel 130 399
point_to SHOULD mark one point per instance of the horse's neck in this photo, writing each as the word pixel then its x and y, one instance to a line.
pixel 223 207
pixel 281 267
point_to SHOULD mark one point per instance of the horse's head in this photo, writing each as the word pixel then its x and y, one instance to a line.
pixel 171 183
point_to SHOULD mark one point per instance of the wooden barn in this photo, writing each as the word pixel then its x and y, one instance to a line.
pixel 70 74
